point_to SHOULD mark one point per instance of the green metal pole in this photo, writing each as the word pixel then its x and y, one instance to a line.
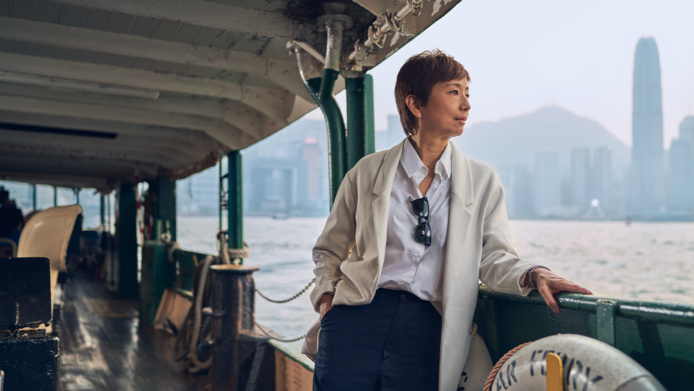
pixel 164 208
pixel 55 196
pixel 77 196
pixel 221 193
pixel 369 135
pixel 157 273
pixel 360 119
pixel 126 237
pixel 102 210
pixel 33 196
pixel 235 201
pixel 322 92
pixel 108 212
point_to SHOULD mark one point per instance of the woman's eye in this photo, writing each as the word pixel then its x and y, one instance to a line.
pixel 467 95
pixel 454 92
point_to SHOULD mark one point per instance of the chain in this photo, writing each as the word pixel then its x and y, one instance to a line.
pixel 301 292
pixel 299 338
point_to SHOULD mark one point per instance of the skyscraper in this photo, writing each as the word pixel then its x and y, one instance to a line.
pixel 681 169
pixel 681 176
pixel 546 183
pixel 647 154
pixel 580 172
pixel 602 178
pixel 687 130
pixel 524 204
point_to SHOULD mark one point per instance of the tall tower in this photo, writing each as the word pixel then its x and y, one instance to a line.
pixel 647 153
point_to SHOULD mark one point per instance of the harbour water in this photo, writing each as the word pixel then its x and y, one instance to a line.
pixel 641 261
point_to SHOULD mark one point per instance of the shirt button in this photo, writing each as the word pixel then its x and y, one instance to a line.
pixel 402 297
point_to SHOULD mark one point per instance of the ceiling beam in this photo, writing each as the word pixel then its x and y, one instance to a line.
pixel 49 165
pixel 283 73
pixel 58 180
pixel 126 145
pixel 226 134
pixel 277 104
pixel 197 139
pixel 88 156
pixel 206 14
pixel 203 106
pixel 48 161
pixel 231 112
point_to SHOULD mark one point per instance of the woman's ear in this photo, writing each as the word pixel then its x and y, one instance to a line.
pixel 414 106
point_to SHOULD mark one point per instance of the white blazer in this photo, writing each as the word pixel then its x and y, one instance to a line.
pixel 349 253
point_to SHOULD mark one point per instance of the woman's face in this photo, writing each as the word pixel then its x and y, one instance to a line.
pixel 446 111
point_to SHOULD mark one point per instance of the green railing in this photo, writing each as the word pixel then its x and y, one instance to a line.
pixel 660 336
pixel 160 273
pixel 186 262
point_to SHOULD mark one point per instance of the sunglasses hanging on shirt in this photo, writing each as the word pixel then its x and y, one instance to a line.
pixel 422 232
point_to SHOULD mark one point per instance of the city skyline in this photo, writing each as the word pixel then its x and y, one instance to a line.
pixel 552 183
pixel 552 58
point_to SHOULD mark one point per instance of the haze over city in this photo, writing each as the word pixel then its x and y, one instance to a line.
pixel 577 55
pixel 547 77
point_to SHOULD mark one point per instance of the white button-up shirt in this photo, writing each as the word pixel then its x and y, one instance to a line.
pixel 409 265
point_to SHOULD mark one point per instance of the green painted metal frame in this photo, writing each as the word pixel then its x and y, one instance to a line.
pixel 126 232
pixel 660 336
pixel 186 262
pixel 220 193
pixel 102 211
pixel 157 274
pixel 164 207
pixel 360 119
pixel 235 201
pixel 321 89
pixel 108 213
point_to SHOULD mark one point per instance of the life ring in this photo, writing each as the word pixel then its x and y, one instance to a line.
pixel 588 365
pixel 478 365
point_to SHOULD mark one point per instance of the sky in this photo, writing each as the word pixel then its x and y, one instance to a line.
pixel 523 55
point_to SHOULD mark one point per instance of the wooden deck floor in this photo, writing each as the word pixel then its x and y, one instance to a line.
pixel 104 347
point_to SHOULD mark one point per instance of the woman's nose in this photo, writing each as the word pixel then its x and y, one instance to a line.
pixel 465 104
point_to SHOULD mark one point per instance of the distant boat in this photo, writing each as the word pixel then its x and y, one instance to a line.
pixel 280 216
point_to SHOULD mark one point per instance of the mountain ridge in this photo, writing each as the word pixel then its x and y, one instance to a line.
pixel 513 141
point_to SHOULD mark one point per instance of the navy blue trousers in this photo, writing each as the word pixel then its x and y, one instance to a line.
pixel 391 344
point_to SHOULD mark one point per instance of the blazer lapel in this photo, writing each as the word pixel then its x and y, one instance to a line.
pixel 381 197
pixel 459 219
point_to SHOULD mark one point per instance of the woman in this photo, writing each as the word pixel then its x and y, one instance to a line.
pixel 412 231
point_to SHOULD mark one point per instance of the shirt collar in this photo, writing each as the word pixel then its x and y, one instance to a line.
pixel 412 163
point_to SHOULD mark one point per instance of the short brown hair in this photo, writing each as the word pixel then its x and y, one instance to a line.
pixel 418 76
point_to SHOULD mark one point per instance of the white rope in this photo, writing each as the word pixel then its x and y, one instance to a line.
pixel 193 354
pixel 226 254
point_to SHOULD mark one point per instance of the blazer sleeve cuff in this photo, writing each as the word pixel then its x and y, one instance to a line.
pixel 327 287
pixel 525 284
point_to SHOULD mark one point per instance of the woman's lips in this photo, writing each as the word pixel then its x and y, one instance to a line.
pixel 461 120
